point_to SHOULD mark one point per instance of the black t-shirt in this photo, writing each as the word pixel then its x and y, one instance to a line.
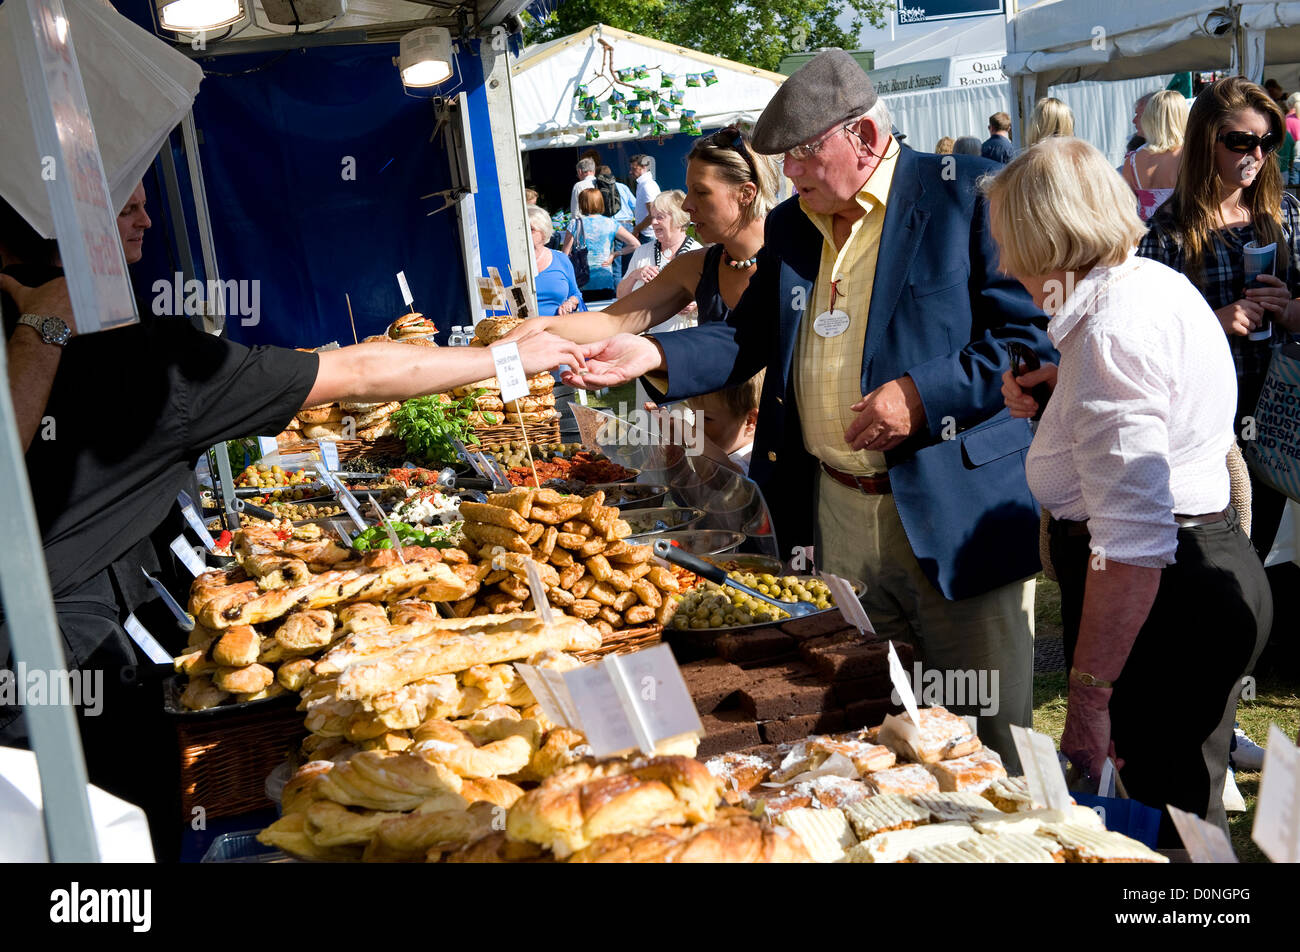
pixel 132 409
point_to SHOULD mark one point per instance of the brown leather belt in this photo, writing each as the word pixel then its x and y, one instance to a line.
pixel 1073 528
pixel 871 485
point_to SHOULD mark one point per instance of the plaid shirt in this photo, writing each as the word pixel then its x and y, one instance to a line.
pixel 1223 279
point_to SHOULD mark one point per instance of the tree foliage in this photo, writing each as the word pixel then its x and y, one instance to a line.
pixel 759 32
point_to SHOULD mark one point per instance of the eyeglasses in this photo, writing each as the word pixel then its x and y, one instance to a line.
pixel 730 138
pixel 1244 143
pixel 805 151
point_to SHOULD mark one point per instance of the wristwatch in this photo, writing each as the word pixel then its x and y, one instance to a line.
pixel 51 329
pixel 1088 680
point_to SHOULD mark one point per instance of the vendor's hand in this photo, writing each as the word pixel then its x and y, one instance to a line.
pixel 615 361
pixel 1240 317
pixel 49 300
pixel 886 416
pixel 1015 390
pixel 545 351
pixel 1086 738
pixel 1273 298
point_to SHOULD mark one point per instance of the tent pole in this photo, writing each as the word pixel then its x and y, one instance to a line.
pixel 176 210
pixel 214 311
pixel 38 648
pixel 505 146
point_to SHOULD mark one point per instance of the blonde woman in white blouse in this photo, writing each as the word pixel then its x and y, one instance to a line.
pixel 1164 602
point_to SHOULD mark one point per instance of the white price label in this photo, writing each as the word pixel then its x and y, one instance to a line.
pixel 192 517
pixel 510 372
pixel 1205 842
pixel 147 642
pixel 189 558
pixel 903 687
pixel 329 452
pixel 1277 814
pixel 846 600
pixel 540 602
pixel 406 289
pixel 1042 768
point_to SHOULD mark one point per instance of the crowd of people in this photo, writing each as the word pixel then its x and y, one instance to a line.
pixel 858 349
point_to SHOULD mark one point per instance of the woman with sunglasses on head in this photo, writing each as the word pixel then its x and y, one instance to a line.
pixel 729 191
pixel 1229 193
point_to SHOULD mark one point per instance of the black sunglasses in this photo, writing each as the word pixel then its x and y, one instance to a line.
pixel 730 138
pixel 1244 143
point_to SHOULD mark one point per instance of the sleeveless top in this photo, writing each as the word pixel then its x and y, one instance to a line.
pixel 1149 199
pixel 708 295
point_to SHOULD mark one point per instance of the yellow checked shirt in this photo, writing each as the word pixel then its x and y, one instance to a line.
pixel 828 370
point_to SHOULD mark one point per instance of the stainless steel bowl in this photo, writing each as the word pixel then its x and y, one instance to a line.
pixel 648 522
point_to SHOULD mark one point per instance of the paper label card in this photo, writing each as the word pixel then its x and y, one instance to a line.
pixel 548 688
pixel 180 546
pixel 849 604
pixel 1277 813
pixel 903 687
pixel 266 445
pixel 191 515
pixel 1042 768
pixel 329 453
pixel 510 372
pixel 1205 842
pixel 146 642
pixel 407 299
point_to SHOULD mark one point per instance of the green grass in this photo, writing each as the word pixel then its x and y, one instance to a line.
pixel 1275 702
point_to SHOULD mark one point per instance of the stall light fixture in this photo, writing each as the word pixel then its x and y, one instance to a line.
pixel 425 56
pixel 193 16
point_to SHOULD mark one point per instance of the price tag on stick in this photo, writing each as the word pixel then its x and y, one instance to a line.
pixel 407 299
pixel 147 642
pixel 1042 768
pixel 1277 813
pixel 847 601
pixel 180 546
pixel 510 372
pixel 192 517
pixel 1205 842
pixel 540 602
pixel 903 687
pixel 329 454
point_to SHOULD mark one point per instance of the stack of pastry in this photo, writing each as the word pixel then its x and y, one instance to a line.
pixel 579 544
pixel 293 594
pixel 537 407
pixel 343 421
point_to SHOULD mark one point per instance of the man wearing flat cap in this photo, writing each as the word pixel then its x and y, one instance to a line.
pixel 879 312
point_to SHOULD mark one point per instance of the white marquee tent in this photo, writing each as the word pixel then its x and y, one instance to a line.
pixel 544 77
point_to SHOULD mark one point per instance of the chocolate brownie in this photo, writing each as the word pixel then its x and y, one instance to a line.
pixel 812 626
pixel 849 636
pixel 759 644
pixel 862 689
pixel 870 712
pixel 712 682
pixel 726 730
pixel 846 662
pixel 784 691
pixel 789 729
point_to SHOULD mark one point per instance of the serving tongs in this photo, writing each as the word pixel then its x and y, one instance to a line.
pixel 664 549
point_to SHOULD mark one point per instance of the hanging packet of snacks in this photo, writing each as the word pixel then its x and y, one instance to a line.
pixel 643 72
pixel 666 80
pixel 677 97
pixel 592 134
pixel 580 91
pixel 709 77
pixel 693 79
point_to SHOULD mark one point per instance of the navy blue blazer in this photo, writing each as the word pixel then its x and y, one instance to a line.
pixel 940 312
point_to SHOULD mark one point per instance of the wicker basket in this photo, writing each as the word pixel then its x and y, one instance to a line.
pixel 624 641
pixel 492 437
pixel 227 753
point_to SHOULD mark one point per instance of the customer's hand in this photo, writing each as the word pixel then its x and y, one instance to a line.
pixel 1015 390
pixel 1275 297
pixel 646 273
pixel 886 416
pixel 526 329
pixel 1240 317
pixel 542 352
pixel 617 360
pixel 49 300
pixel 1086 738
pixel 569 306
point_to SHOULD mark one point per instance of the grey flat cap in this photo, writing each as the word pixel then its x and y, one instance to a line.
pixel 828 88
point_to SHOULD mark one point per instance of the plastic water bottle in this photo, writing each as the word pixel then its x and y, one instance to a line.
pixel 457 337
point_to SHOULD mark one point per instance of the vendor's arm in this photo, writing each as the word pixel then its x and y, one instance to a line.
pixel 32 362
pixel 379 372
pixel 967 385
